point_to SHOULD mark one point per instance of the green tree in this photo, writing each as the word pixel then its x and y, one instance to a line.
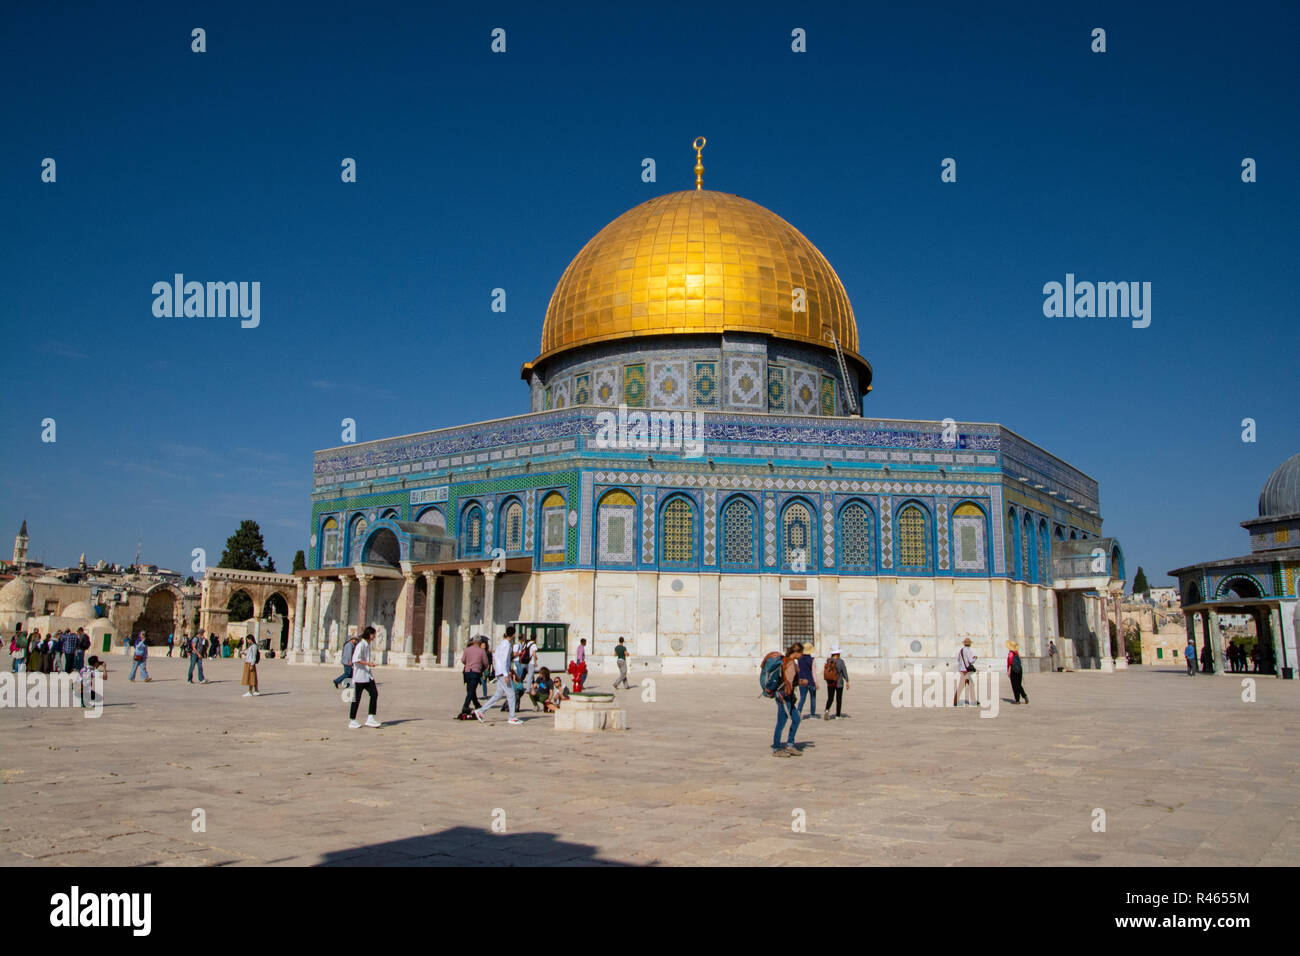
pixel 1140 585
pixel 245 551
pixel 300 562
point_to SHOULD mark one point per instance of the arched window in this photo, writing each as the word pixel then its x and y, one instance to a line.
pixel 555 537
pixel 331 550
pixel 1013 552
pixel 616 528
pixel 738 548
pixel 356 534
pixel 435 519
pixel 678 532
pixel 968 549
pixel 1060 533
pixel 913 539
pixel 1044 553
pixel 472 531
pixel 1028 557
pixel 798 548
pixel 855 536
pixel 512 526
pixel 390 513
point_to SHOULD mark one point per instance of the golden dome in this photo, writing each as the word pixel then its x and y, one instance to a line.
pixel 698 261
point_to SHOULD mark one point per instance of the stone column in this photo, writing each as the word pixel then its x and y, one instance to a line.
pixel 1121 662
pixel 1216 643
pixel 466 589
pixel 345 610
pixel 363 594
pixel 312 624
pixel 1275 632
pixel 1103 637
pixel 299 611
pixel 429 658
pixel 489 604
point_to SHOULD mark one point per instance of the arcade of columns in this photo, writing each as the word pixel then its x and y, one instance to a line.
pixel 1268 628
pixel 314 642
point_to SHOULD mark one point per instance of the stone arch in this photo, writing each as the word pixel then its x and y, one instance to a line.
pixel 163 608
pixel 382 547
pixel 1242 585
pixel 220 583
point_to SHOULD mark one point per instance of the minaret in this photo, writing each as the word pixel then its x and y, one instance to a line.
pixel 20 547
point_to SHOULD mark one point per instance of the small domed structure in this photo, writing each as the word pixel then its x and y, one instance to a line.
pixel 16 596
pixel 79 610
pixel 1281 494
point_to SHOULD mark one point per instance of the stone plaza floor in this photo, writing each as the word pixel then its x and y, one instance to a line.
pixel 1184 770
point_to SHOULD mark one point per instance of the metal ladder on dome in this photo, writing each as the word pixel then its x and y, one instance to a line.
pixel 844 373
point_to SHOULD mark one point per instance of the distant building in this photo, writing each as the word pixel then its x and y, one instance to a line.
pixel 1260 586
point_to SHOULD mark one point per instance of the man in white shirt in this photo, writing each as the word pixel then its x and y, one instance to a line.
pixel 363 679
pixel 966 675
pixel 502 661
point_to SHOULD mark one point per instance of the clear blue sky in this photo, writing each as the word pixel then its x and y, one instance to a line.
pixel 478 170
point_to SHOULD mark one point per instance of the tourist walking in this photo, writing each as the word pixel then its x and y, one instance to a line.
pixel 530 655
pixel 1051 653
pixel 345 658
pixel 70 645
pixel 140 657
pixel 473 662
pixel 836 676
pixel 83 645
pixel 1207 659
pixel 252 656
pixel 171 643
pixel 620 656
pixel 18 649
pixel 786 708
pixel 1016 672
pixel 966 673
pixel 807 683
pixel 582 662
pixel 1189 652
pixel 196 651
pixel 363 679
pixel 505 686
pixel 214 647
pixel 33 664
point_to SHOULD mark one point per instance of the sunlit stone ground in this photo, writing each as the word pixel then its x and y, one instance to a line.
pixel 1185 771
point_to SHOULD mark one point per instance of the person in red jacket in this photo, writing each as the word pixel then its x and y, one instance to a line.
pixel 1016 672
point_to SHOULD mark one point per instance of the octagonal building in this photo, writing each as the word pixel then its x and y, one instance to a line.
pixel 694 474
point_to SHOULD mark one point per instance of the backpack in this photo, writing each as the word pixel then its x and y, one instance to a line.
pixel 524 655
pixel 257 655
pixel 1015 664
pixel 831 671
pixel 84 643
pixel 770 673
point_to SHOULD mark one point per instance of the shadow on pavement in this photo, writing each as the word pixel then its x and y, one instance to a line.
pixel 470 846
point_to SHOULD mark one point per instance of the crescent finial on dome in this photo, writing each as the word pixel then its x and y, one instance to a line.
pixel 699 144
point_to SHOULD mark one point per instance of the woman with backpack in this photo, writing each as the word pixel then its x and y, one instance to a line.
pixel 836 676
pixel 252 655
pixel 807 682
pixel 1016 672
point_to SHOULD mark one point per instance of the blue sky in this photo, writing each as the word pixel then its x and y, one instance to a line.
pixel 478 171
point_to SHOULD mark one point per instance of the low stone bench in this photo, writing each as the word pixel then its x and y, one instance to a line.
pixel 589 713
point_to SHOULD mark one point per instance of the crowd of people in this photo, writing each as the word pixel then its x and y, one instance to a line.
pixel 60 652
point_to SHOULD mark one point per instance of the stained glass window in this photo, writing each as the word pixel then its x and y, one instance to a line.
pixel 678 532
pixel 968 537
pixel 855 537
pixel 330 542
pixel 738 533
pixel 554 536
pixel 474 530
pixel 1026 537
pixel 434 519
pixel 1013 555
pixel 796 529
pixel 913 550
pixel 512 527
pixel 616 527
